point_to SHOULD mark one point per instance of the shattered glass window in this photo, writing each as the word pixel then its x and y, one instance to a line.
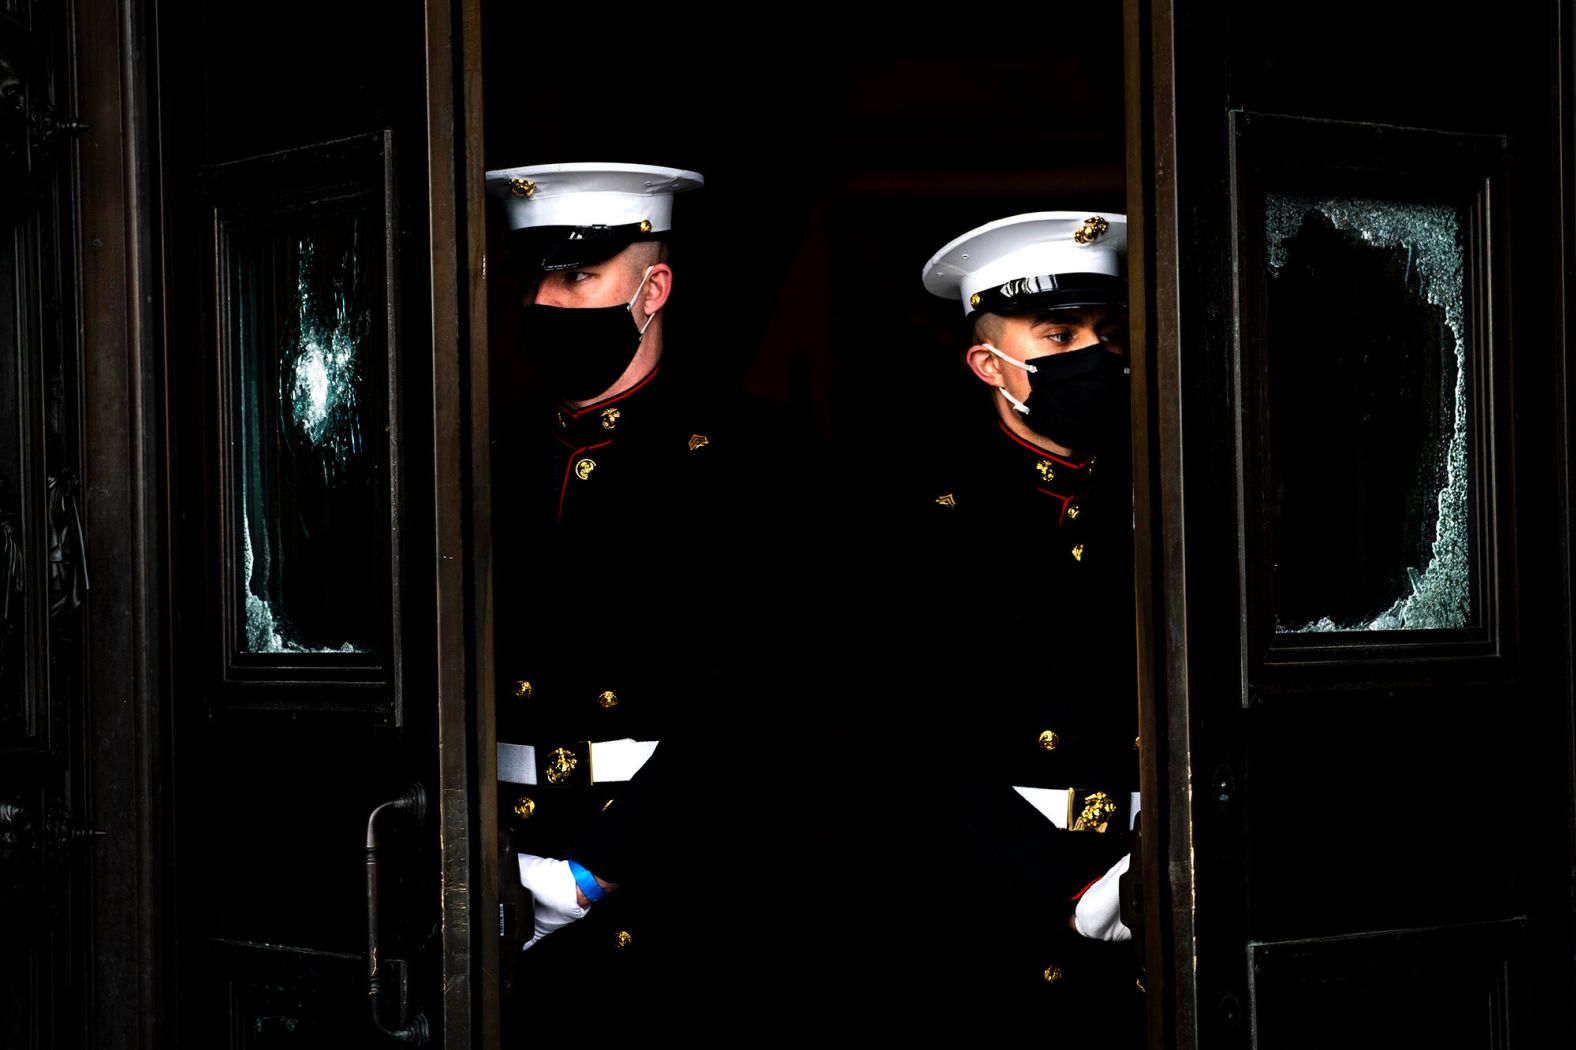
pixel 1367 346
pixel 314 573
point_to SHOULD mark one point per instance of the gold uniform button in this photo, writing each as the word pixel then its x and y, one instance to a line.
pixel 1050 740
pixel 1078 552
pixel 1053 974
pixel 524 807
pixel 584 467
pixel 1073 512
pixel 607 699
pixel 522 689
pixel 622 940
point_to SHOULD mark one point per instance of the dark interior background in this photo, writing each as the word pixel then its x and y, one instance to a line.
pixel 838 156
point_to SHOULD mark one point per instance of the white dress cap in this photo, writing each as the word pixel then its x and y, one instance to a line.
pixel 1035 261
pixel 591 194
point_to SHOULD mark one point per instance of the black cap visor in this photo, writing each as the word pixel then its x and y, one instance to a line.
pixel 544 249
pixel 1061 291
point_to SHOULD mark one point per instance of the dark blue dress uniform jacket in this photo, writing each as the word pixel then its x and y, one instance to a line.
pixel 649 550
pixel 1011 588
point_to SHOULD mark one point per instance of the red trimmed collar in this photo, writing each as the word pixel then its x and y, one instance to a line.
pixel 1075 464
pixel 597 406
pixel 605 419
pixel 1057 477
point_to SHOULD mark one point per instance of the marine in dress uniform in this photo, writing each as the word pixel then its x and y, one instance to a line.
pixel 635 622
pixel 1019 640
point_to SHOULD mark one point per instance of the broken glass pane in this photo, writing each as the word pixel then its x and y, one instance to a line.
pixel 304 301
pixel 1368 381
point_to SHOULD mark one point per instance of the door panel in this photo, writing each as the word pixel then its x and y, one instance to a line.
pixel 46 840
pixel 1369 441
pixel 1444 987
pixel 300 295
pixel 1353 488
pixel 291 998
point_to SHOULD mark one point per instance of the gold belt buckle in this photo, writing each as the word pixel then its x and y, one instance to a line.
pixel 1089 810
pixel 561 766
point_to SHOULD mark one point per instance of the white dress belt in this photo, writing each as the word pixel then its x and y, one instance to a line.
pixel 1052 804
pixel 610 761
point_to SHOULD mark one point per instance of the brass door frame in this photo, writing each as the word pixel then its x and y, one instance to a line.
pixel 462 506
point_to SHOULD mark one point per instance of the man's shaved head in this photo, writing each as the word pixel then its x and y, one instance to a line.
pixel 988 328
pixel 642 254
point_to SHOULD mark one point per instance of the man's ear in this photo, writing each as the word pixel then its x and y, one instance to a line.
pixel 984 364
pixel 659 284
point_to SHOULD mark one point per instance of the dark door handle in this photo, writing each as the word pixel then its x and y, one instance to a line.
pixel 409 1030
pixel 45 845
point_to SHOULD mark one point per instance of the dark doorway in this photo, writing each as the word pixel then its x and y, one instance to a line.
pixel 836 163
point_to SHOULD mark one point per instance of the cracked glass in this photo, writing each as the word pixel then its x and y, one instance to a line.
pixel 1367 363
pixel 309 359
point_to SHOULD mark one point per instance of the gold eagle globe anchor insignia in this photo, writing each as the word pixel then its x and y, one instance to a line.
pixel 561 765
pixel 1098 810
pixel 1093 229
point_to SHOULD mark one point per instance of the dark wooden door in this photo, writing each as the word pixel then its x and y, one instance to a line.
pixel 46 840
pixel 1355 512
pixel 322 639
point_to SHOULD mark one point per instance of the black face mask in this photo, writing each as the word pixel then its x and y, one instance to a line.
pixel 1077 399
pixel 582 351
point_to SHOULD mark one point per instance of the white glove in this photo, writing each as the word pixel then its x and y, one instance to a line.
pixel 1099 912
pixel 552 886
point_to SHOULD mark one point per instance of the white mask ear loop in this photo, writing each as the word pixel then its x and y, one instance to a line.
pixel 631 304
pixel 1016 404
pixel 1011 360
